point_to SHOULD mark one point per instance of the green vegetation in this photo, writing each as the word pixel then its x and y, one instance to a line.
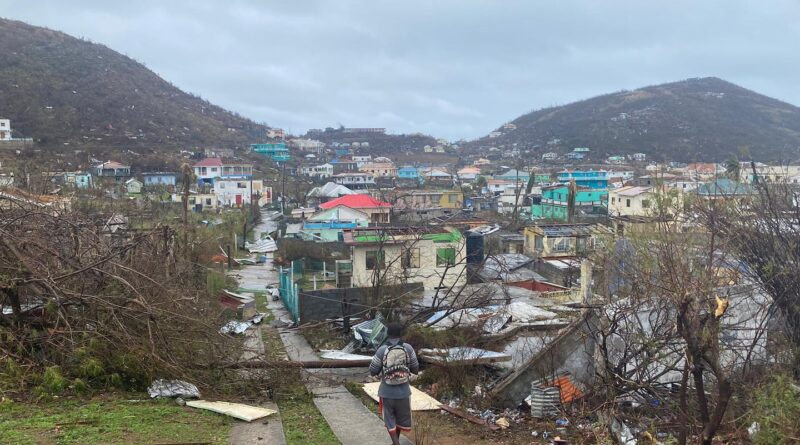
pixel 776 410
pixel 109 421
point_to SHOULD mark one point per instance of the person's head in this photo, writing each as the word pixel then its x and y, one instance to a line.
pixel 394 330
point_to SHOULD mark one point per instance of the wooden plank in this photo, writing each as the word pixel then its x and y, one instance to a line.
pixel 462 356
pixel 420 401
pixel 241 411
pixel 469 417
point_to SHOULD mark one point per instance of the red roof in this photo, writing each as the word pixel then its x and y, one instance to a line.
pixel 209 162
pixel 355 202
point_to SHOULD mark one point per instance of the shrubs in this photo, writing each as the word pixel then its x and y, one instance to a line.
pixel 776 410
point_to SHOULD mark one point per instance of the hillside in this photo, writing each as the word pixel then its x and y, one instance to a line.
pixel 379 143
pixel 697 119
pixel 61 90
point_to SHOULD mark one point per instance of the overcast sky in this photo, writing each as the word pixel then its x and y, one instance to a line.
pixel 450 68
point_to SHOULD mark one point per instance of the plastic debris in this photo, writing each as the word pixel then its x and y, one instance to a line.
pixel 173 388
pixel 503 423
pixel 238 327
pixel 622 432
pixel 562 422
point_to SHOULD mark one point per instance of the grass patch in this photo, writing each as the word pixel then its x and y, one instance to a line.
pixel 302 421
pixel 109 420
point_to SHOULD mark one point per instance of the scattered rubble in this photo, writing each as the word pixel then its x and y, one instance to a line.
pixel 173 388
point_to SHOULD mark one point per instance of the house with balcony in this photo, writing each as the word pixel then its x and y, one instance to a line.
pixel 562 240
pixel 380 167
pixel 277 151
pixel 432 256
pixel 318 171
pixel 209 170
pixel 112 169
pixel 344 165
pixel 594 179
pixel 554 202
pixel 378 211
pixel 354 180
pixel 328 225
pixel 362 160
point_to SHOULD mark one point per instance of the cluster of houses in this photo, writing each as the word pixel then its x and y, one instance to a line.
pixel 218 183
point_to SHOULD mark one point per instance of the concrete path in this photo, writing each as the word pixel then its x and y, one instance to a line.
pixel 349 419
pixel 269 430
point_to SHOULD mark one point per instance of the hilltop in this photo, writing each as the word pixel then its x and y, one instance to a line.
pixel 696 119
pixel 67 92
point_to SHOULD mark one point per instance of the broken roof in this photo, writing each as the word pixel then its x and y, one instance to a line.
pixel 330 190
pixel 583 229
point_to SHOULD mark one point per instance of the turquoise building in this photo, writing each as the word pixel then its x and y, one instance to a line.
pixel 553 202
pixel 594 179
pixel 275 150
pixel 408 172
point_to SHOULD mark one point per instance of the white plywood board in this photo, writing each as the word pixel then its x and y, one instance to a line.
pixel 241 411
pixel 419 400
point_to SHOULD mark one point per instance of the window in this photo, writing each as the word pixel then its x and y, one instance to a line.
pixel 627 202
pixel 410 258
pixel 213 169
pixel 241 185
pixel 539 243
pixel 613 199
pixel 222 185
pixel 561 244
pixel 645 203
pixel 445 256
pixel 208 201
pixel 375 260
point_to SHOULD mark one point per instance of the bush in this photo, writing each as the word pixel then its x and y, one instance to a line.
pixel 53 382
pixel 776 410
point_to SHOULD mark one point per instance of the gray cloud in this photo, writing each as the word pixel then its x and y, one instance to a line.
pixel 451 68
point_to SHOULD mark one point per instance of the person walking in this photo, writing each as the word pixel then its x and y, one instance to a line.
pixel 395 361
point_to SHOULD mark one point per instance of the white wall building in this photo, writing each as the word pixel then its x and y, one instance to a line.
pixel 318 171
pixel 236 193
pixel 5 129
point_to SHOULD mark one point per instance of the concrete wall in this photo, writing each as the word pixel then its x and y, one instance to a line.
pixel 317 305
pixel 572 351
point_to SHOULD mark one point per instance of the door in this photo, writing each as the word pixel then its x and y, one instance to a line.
pixel 238 200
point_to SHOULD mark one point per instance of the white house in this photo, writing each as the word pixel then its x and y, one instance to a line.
pixel 549 156
pixel 362 160
pixel 236 193
pixel 402 255
pixel 318 171
pixel 5 129
pixel 355 180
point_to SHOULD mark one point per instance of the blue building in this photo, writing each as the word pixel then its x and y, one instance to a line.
pixel 163 179
pixel 275 150
pixel 593 179
pixel 408 172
